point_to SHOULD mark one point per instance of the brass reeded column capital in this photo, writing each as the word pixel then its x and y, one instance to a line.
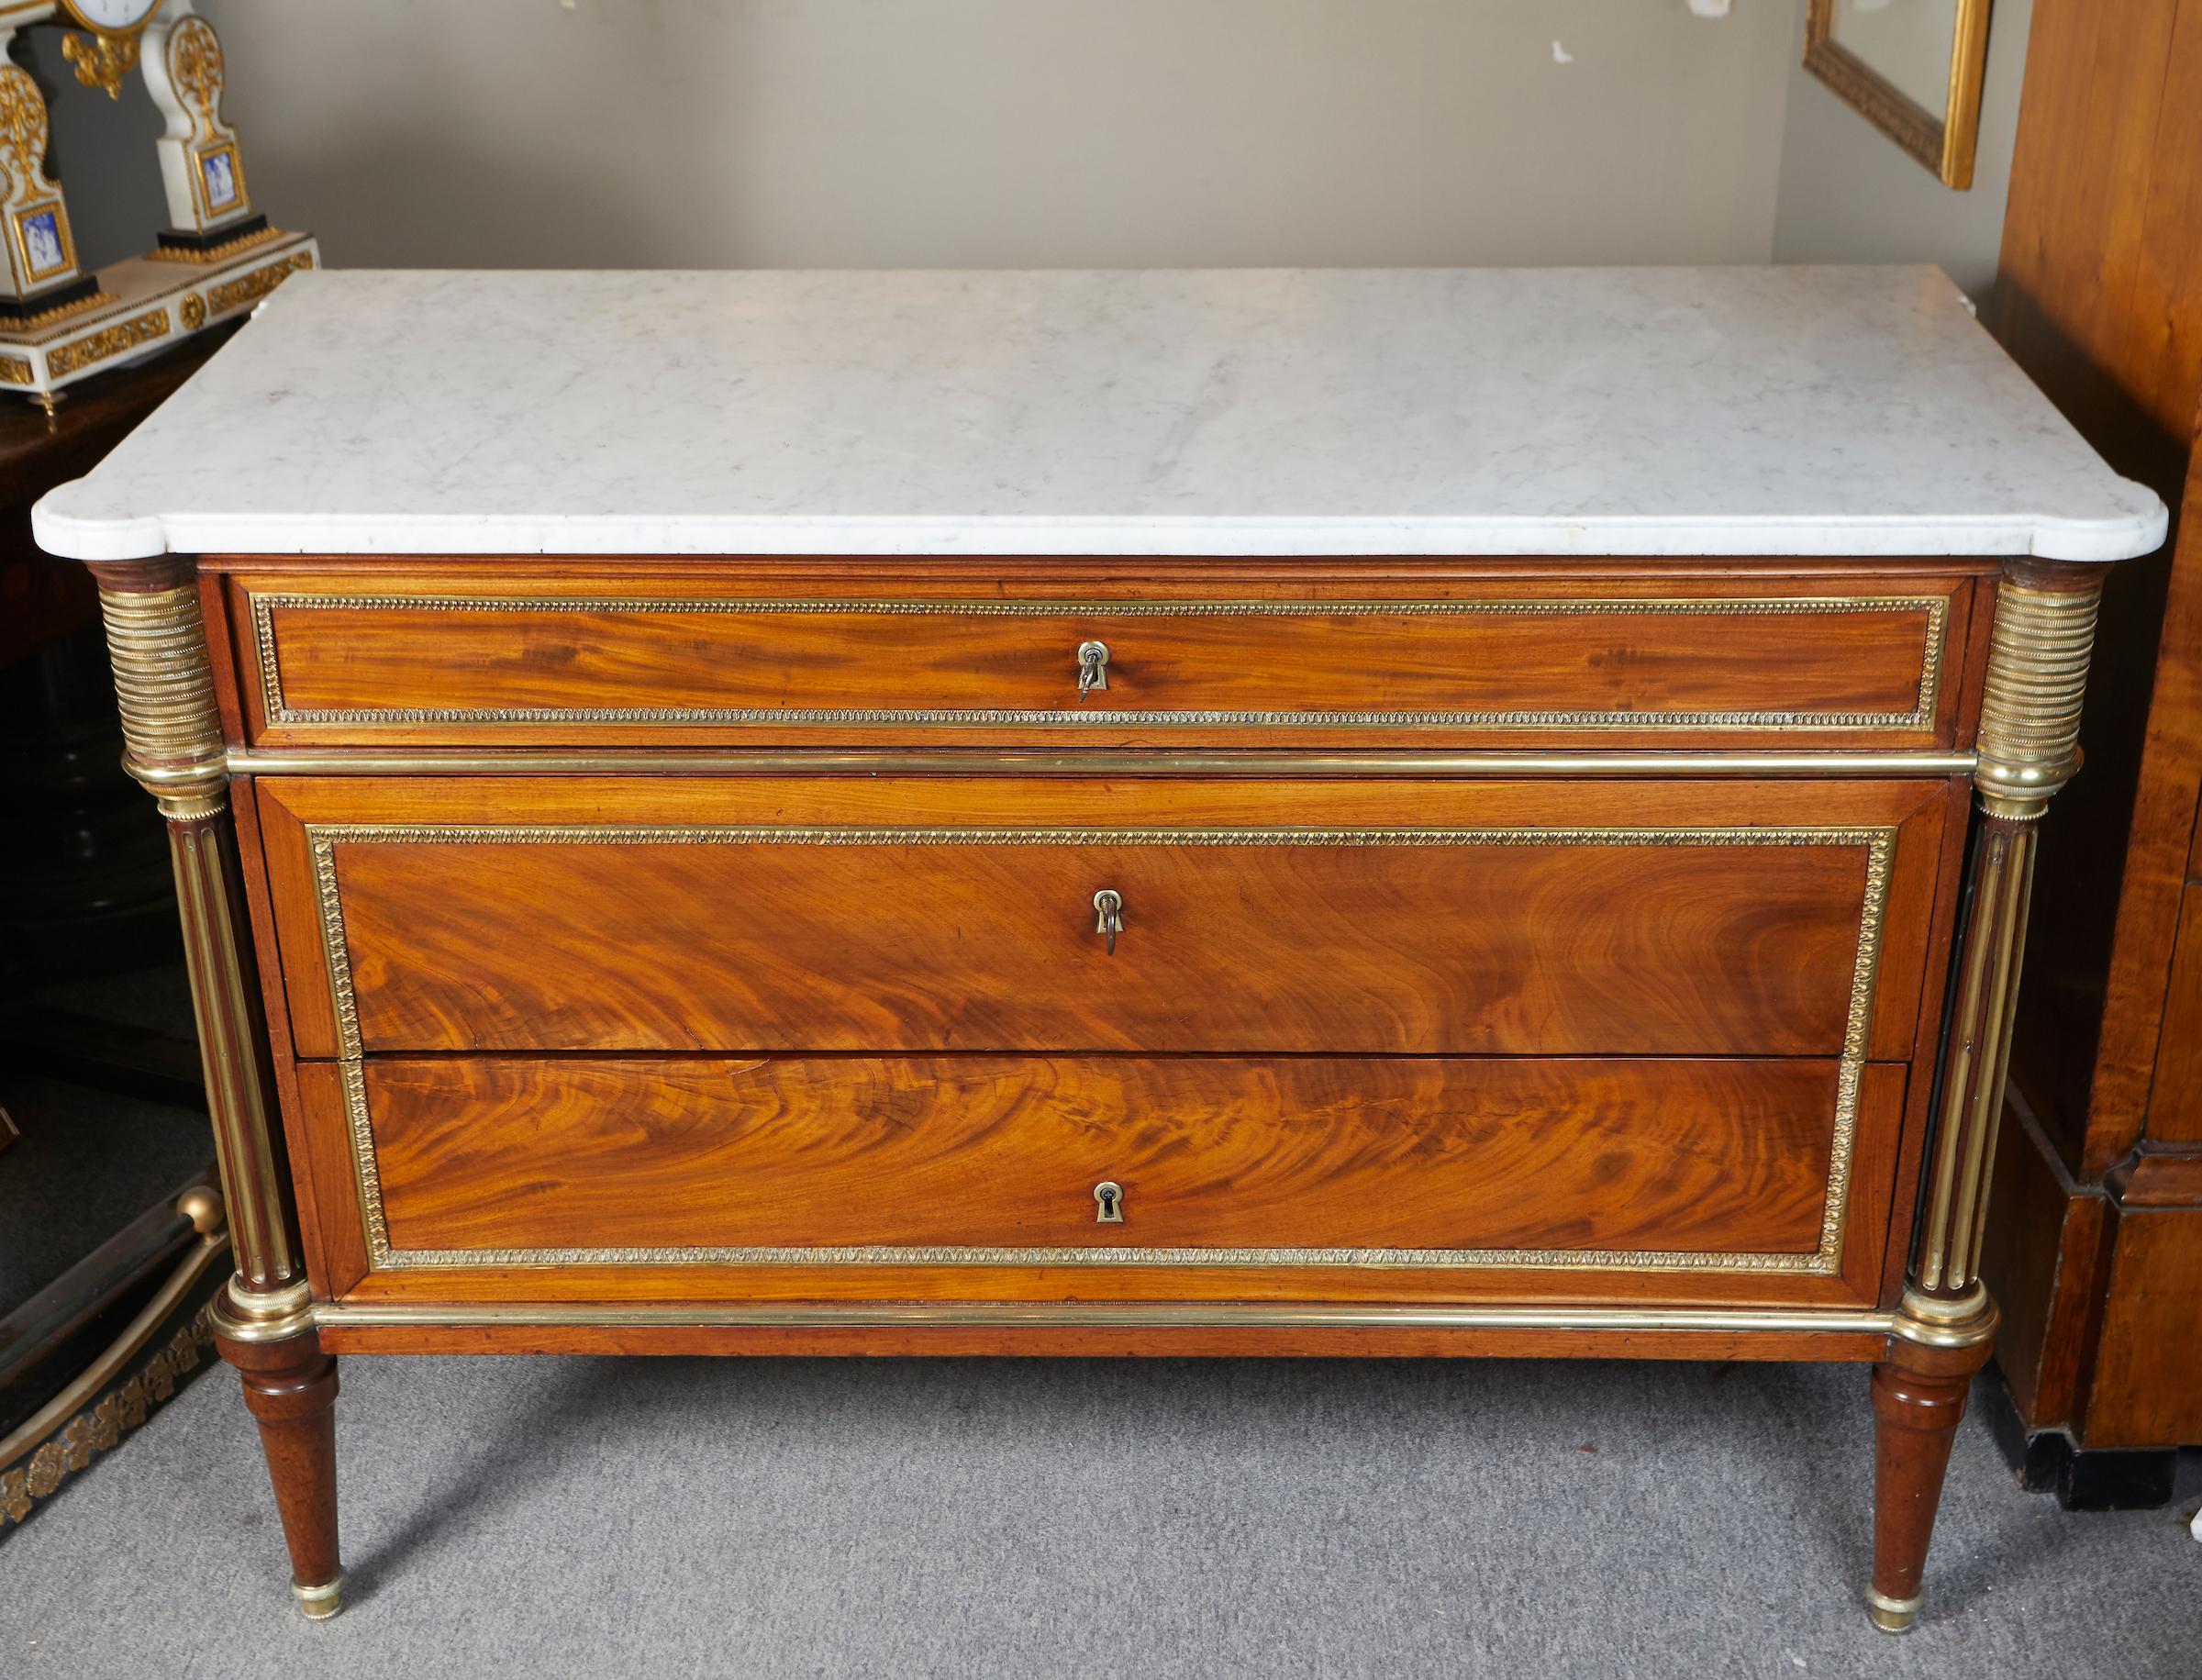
pixel 2029 708
pixel 171 729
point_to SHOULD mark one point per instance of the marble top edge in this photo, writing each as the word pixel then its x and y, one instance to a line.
pixel 1572 412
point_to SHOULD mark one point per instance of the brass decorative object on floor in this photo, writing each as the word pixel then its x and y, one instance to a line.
pixel 158 1349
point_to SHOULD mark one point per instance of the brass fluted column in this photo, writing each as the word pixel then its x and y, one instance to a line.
pixel 173 735
pixel 1945 1328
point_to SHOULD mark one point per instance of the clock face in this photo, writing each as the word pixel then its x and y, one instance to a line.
pixel 112 16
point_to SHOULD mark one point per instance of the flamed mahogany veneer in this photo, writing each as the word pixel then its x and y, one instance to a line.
pixel 1190 814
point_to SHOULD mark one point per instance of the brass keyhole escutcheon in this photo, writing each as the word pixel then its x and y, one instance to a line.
pixel 1092 667
pixel 1108 916
pixel 1108 1202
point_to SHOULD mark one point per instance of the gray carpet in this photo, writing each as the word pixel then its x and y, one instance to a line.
pixel 1027 1519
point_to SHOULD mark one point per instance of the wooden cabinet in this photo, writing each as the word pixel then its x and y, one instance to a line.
pixel 1453 1038
pixel 2095 1250
pixel 1553 1051
pixel 1291 912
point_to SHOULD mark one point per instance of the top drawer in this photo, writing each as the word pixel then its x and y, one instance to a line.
pixel 708 656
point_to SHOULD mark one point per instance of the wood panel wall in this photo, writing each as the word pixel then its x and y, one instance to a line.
pixel 2099 297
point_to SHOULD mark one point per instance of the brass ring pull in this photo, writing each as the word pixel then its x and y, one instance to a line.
pixel 1108 904
pixel 1092 667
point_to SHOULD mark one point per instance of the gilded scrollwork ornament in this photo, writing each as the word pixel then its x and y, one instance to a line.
pixel 23 124
pixel 101 61
pixel 194 66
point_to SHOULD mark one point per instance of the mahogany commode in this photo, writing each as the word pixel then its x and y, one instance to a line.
pixel 1299 814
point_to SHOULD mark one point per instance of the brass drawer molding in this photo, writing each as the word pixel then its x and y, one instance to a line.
pixel 1878 844
pixel 1936 609
pixel 1262 762
pixel 1113 1315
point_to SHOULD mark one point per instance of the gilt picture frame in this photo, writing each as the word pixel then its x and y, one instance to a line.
pixel 218 180
pixel 1889 94
pixel 44 247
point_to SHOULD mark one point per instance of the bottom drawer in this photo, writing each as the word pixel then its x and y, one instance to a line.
pixel 1287 1160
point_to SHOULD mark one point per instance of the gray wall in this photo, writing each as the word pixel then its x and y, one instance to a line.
pixel 101 151
pixel 1848 194
pixel 1047 132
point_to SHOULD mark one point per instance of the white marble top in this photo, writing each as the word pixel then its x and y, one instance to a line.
pixel 1422 411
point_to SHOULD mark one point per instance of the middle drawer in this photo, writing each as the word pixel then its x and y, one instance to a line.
pixel 909 915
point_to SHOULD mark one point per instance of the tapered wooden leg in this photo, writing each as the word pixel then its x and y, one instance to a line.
pixel 290 1387
pixel 1918 1398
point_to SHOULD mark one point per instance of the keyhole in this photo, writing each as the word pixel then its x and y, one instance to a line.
pixel 1108 1197
pixel 1092 667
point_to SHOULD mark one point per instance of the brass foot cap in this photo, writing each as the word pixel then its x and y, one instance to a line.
pixel 1891 1615
pixel 319 1603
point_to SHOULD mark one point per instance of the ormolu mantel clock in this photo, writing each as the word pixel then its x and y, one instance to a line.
pixel 59 324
